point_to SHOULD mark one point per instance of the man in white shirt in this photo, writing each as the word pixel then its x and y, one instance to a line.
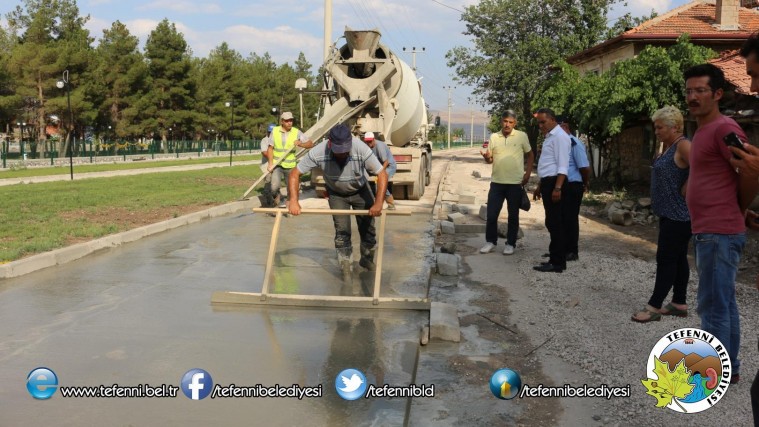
pixel 553 167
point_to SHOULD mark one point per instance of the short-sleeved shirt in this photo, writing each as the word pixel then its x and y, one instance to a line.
pixel 382 151
pixel 578 159
pixel 554 159
pixel 712 193
pixel 265 143
pixel 508 156
pixel 342 179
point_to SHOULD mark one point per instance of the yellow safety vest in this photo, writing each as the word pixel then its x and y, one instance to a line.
pixel 281 148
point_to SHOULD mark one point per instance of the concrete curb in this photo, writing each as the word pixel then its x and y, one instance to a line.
pixel 80 250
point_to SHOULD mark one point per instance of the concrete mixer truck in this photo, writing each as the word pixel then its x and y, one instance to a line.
pixel 371 90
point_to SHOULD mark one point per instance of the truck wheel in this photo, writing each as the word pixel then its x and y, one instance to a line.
pixel 427 171
pixel 416 190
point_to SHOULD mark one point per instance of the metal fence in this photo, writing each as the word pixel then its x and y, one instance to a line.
pixel 30 151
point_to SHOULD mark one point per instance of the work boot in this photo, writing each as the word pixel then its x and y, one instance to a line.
pixel 390 203
pixel 367 259
pixel 345 260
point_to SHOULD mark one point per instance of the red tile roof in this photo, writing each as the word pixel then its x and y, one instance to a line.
pixel 734 67
pixel 695 18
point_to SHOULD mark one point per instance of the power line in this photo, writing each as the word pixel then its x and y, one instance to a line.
pixel 449 7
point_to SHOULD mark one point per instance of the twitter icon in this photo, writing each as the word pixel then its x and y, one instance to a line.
pixel 350 384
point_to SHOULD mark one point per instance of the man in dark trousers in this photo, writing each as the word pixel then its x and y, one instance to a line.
pixel 552 169
pixel 345 161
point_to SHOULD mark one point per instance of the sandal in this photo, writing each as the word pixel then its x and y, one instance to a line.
pixel 653 316
pixel 671 310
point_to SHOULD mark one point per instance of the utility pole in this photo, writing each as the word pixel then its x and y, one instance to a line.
pixel 327 29
pixel 471 130
pixel 450 104
pixel 413 56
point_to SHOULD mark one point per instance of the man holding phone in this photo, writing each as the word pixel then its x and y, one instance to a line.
pixel 717 199
pixel 746 163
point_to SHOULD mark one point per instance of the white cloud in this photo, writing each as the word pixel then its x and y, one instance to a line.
pixel 182 6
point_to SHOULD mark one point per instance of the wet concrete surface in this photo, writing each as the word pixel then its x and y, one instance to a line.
pixel 141 314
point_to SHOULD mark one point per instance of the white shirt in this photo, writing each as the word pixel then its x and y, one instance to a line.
pixel 554 159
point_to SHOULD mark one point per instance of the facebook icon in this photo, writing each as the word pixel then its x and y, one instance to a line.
pixel 197 384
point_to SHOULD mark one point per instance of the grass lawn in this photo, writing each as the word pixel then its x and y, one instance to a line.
pixel 102 167
pixel 40 217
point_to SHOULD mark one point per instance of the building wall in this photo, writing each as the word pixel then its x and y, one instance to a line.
pixel 631 154
pixel 602 63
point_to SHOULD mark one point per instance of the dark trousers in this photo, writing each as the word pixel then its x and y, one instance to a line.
pixel 554 222
pixel 362 200
pixel 755 399
pixel 571 196
pixel 672 269
pixel 512 193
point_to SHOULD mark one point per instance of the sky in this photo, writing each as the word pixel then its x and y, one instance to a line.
pixel 283 28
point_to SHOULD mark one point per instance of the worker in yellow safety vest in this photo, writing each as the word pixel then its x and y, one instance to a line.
pixel 283 138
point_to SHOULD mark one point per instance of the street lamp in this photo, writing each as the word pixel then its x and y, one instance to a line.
pixel 301 85
pixel 60 84
pixel 21 125
pixel 231 105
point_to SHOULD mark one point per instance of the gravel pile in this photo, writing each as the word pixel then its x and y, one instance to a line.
pixel 587 311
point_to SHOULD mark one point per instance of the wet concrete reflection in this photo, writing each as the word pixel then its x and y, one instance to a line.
pixel 141 314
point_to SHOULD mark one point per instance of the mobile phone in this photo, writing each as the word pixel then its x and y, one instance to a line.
pixel 733 140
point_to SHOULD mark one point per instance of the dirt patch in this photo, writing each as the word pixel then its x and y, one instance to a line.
pixel 125 219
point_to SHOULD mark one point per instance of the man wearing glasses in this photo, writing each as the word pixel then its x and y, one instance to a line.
pixel 717 198
pixel 283 138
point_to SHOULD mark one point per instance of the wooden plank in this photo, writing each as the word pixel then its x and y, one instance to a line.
pixel 323 301
pixel 270 256
pixel 380 250
pixel 332 211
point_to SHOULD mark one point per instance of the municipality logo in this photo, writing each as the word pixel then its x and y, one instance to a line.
pixel 197 384
pixel 688 371
pixel 350 384
pixel 505 384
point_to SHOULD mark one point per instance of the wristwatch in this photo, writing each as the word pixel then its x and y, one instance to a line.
pixel 557 189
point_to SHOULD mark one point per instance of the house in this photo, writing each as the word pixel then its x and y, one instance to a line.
pixel 722 26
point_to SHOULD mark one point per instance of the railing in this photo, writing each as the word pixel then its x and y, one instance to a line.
pixel 14 151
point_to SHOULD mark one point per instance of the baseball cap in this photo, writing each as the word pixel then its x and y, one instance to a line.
pixel 286 116
pixel 341 139
pixel 368 136
pixel 271 127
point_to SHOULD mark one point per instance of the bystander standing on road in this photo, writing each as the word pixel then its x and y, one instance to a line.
pixel 669 180
pixel 553 167
pixel 746 163
pixel 717 199
pixel 508 151
pixel 578 177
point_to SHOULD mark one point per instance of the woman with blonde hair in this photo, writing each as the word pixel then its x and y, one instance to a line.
pixel 669 178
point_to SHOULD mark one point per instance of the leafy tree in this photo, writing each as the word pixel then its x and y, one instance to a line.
pixel 219 81
pixel 122 74
pixel 53 39
pixel 628 22
pixel 515 42
pixel 603 106
pixel 172 91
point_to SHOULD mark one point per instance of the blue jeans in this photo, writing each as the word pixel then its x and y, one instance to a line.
pixel 717 258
